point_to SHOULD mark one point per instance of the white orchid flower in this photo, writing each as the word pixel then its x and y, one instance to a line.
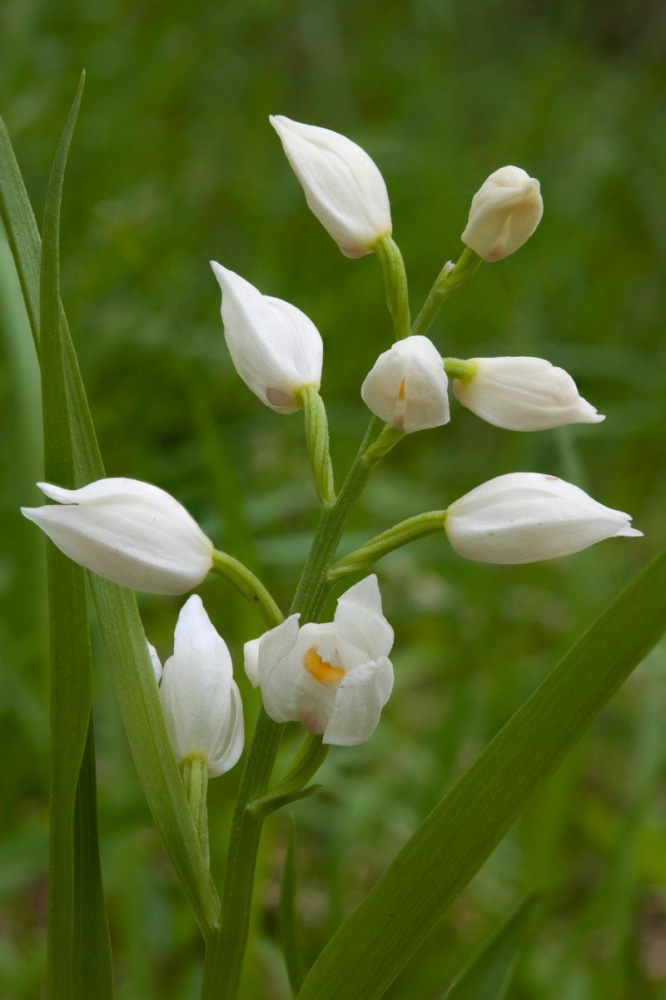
pixel 504 213
pixel 334 678
pixel 128 531
pixel 275 348
pixel 527 517
pixel 200 699
pixel 343 186
pixel 407 387
pixel 523 394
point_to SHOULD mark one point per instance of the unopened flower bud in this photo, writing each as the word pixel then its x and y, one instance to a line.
pixel 523 394
pixel 200 699
pixel 504 213
pixel 527 517
pixel 275 348
pixel 407 386
pixel 343 186
pixel 130 532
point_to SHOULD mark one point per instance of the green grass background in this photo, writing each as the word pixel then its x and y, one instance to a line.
pixel 173 164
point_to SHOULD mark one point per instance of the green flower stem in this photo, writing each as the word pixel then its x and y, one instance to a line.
pixel 316 439
pixel 249 585
pixel 314 584
pixel 395 281
pixel 397 536
pixel 195 778
pixel 225 945
pixel 449 280
pixel 456 368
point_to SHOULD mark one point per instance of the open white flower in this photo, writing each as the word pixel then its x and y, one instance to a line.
pixel 523 394
pixel 343 186
pixel 527 517
pixel 127 531
pixel 504 213
pixel 334 678
pixel 200 699
pixel 275 348
pixel 407 386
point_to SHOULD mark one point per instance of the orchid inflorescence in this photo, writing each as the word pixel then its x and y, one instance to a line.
pixel 334 678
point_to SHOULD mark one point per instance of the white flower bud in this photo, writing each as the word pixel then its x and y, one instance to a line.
pixel 343 186
pixel 523 394
pixel 504 213
pixel 407 387
pixel 275 348
pixel 130 532
pixel 200 699
pixel 528 517
pixel 334 678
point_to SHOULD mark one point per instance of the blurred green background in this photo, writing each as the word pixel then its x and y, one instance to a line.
pixel 174 163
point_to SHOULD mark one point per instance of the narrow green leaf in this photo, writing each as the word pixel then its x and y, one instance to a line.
pixel 93 967
pixel 120 623
pixel 19 222
pixel 369 950
pixel 58 457
pixel 76 904
pixel 289 926
pixel 490 971
pixel 25 243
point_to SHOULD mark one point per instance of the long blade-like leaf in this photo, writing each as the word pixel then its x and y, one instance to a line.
pixel 289 928
pixel 120 623
pixel 75 903
pixel 24 241
pixel 489 973
pixel 19 221
pixel 369 950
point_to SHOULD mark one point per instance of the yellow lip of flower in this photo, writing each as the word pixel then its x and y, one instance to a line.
pixel 322 671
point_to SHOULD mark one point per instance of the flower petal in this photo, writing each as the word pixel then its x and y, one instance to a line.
pixel 504 213
pixel 360 610
pixel 343 186
pixel 528 517
pixel 359 702
pixel 276 349
pixel 130 532
pixel 408 387
pixel 523 394
pixel 201 702
pixel 271 663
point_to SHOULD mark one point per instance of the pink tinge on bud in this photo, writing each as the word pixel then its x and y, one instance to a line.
pixel 278 399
